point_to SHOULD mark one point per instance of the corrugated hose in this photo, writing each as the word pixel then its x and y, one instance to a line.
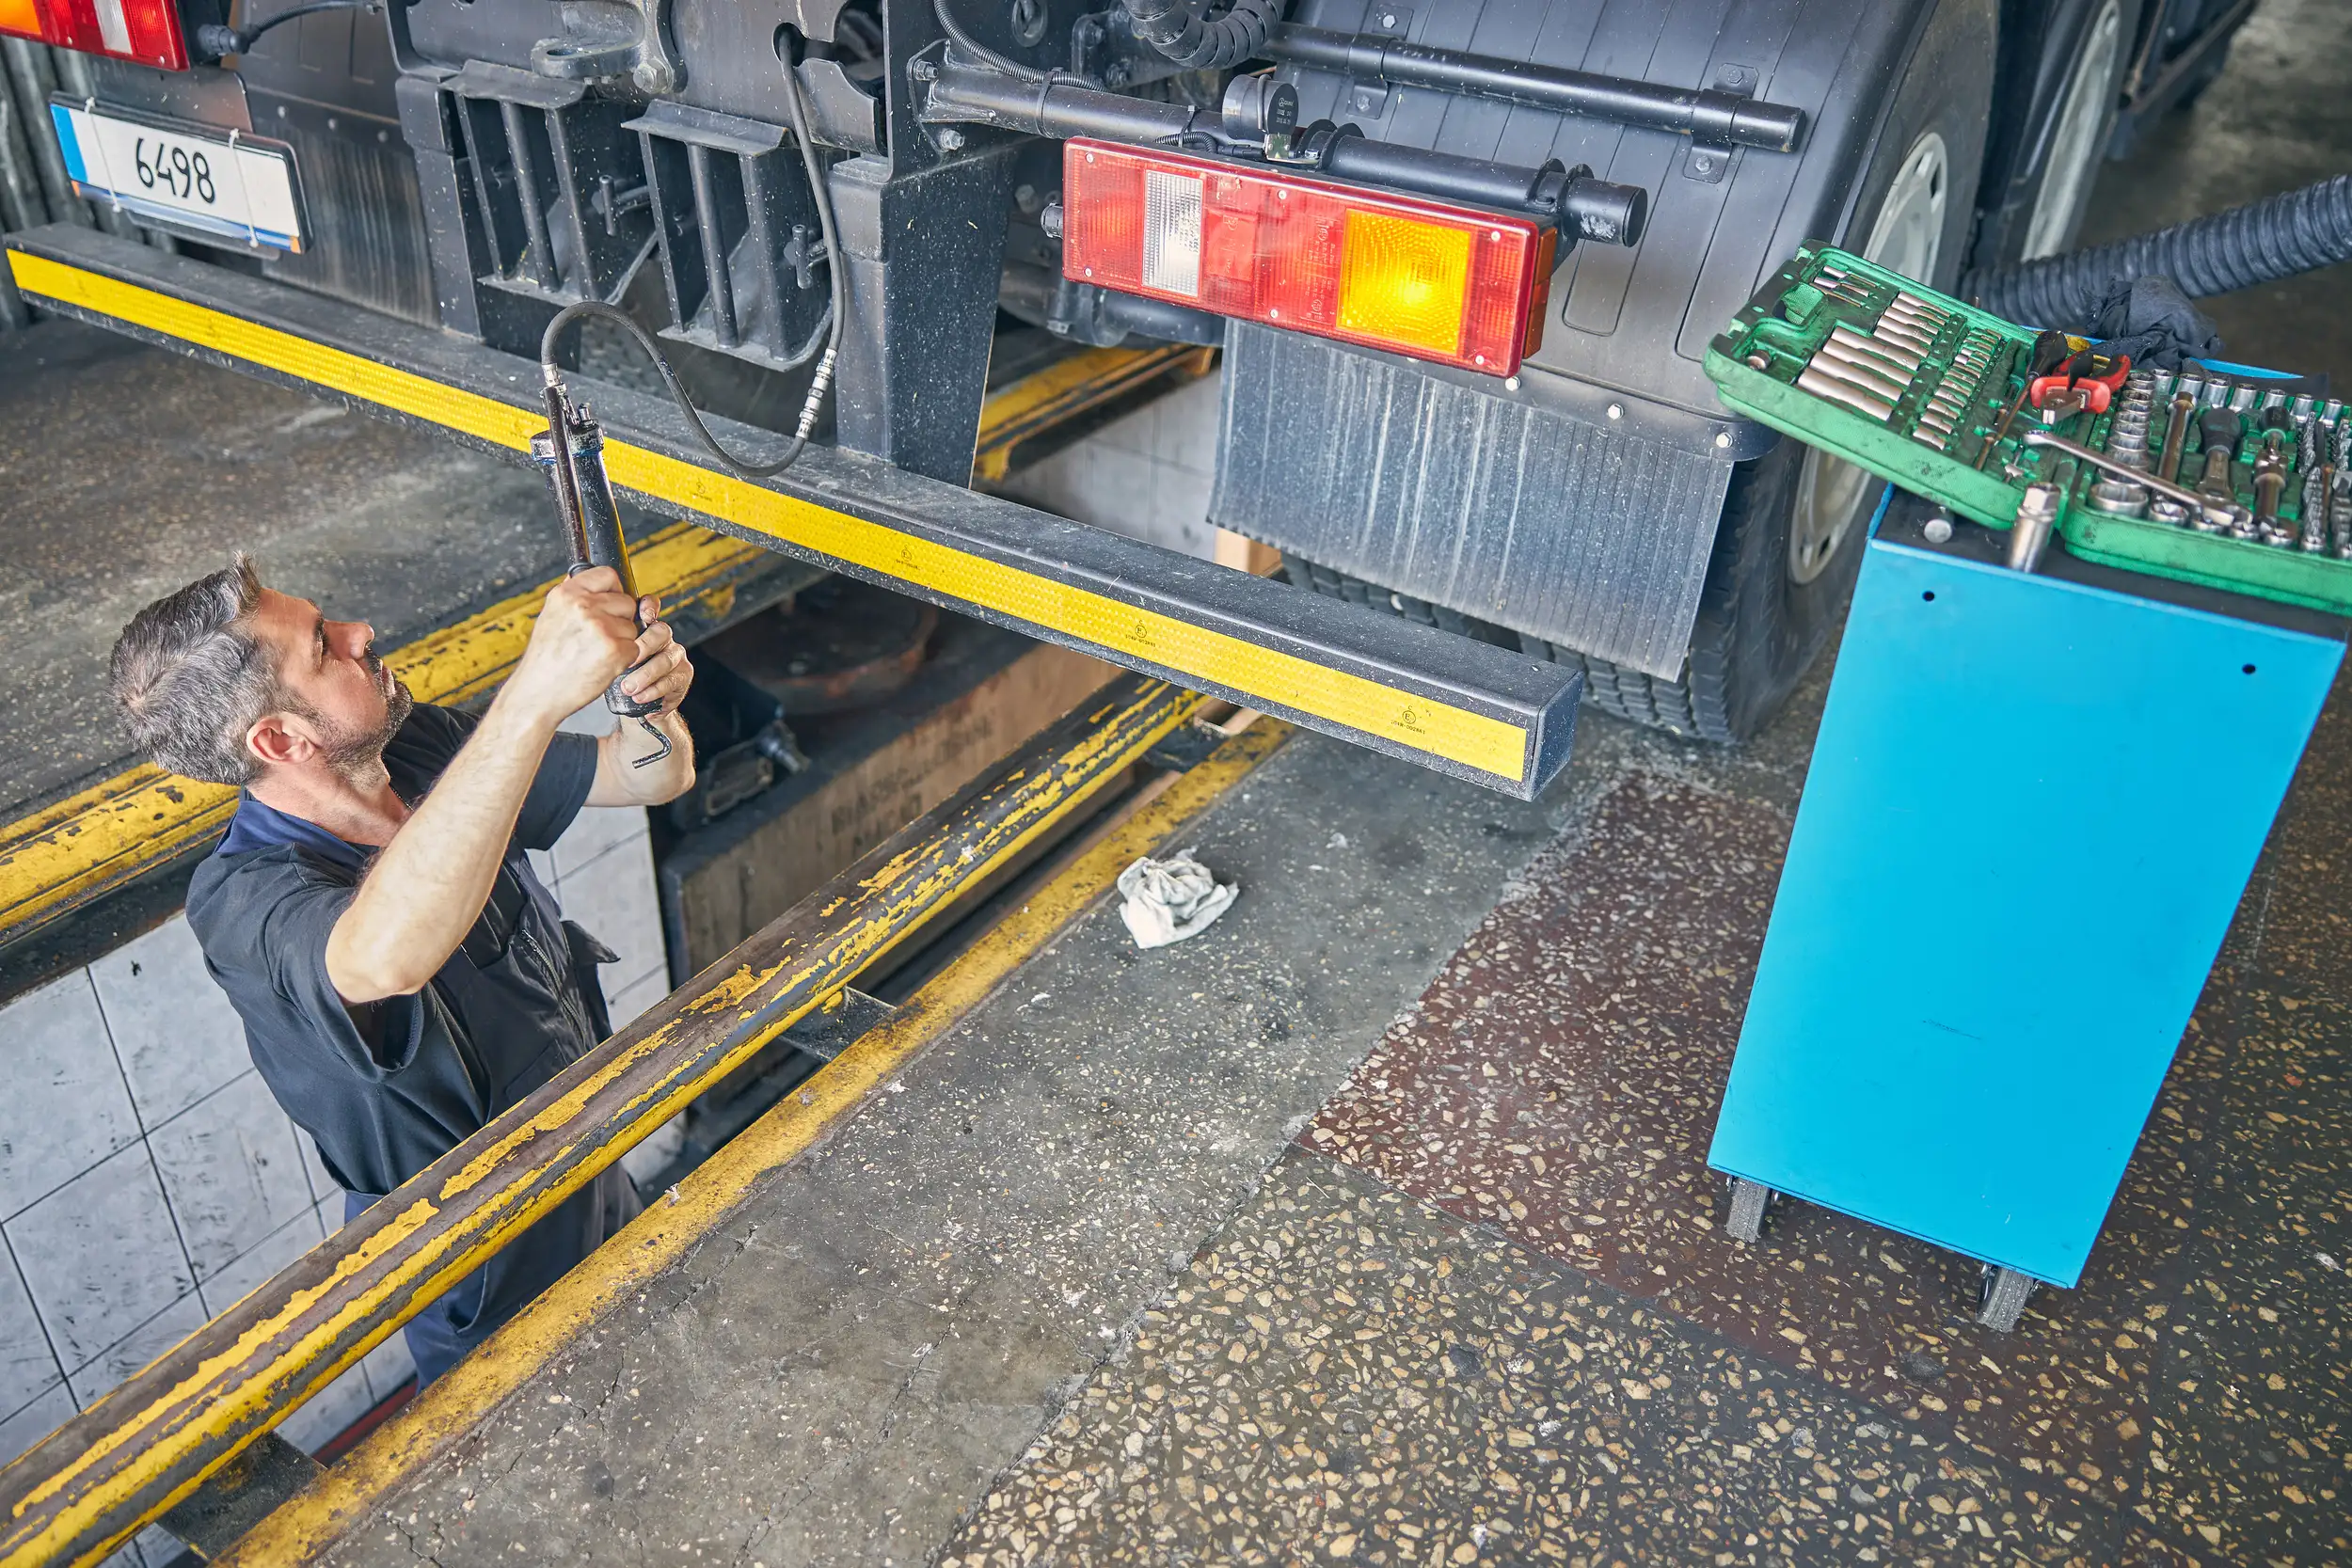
pixel 2294 231
pixel 1218 43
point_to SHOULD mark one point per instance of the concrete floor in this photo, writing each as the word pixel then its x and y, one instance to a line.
pixel 130 471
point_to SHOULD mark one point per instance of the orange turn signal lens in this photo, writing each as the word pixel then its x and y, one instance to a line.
pixel 1405 280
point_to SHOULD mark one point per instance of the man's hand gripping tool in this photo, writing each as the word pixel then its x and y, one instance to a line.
pixel 570 452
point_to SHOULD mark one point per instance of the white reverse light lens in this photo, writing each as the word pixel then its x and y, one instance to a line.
pixel 113 30
pixel 1171 232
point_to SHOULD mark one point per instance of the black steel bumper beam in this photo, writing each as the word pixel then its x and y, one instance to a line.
pixel 1478 712
pixel 156 1438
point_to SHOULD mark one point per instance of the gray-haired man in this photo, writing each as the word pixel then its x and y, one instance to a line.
pixel 401 974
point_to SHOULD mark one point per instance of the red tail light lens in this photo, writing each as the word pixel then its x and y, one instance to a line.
pixel 1457 285
pixel 147 31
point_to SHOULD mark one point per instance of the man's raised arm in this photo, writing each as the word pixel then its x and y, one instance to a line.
pixel 428 885
pixel 663 677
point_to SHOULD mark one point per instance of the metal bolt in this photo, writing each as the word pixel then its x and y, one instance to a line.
pixel 652 76
pixel 1938 530
pixel 949 139
pixel 1703 162
pixel 1511 383
pixel 1387 19
pixel 1616 410
pixel 1723 437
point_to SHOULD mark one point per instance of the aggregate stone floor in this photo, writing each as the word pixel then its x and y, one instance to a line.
pixel 1481 1313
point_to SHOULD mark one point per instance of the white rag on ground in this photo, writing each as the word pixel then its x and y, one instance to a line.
pixel 1169 900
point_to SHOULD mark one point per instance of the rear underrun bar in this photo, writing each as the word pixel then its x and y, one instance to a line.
pixel 1494 717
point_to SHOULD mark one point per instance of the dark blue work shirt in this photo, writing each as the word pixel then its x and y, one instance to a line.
pixel 388 1087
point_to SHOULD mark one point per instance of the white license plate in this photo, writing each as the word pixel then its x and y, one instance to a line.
pixel 223 184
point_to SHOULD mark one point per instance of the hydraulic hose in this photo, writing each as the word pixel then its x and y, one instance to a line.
pixel 2294 231
pixel 1171 27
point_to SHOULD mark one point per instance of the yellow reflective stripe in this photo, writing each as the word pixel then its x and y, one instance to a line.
pixel 1455 733
pixel 1472 740
pixel 343 374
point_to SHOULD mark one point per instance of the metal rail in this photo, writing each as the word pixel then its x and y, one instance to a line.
pixel 1038 413
pixel 156 1438
pixel 1465 708
pixel 1707 114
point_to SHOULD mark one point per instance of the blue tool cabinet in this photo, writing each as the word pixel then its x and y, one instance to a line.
pixel 2034 803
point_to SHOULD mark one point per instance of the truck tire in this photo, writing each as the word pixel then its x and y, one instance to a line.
pixel 2082 125
pixel 1790 540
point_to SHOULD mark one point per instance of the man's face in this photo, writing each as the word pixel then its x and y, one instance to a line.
pixel 342 697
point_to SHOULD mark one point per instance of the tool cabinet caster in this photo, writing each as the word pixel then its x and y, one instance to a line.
pixel 1749 1200
pixel 2003 1299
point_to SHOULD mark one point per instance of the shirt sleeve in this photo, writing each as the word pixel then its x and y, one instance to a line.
pixel 297 914
pixel 559 789
pixel 557 793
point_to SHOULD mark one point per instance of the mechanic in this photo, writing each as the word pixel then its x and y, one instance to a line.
pixel 402 973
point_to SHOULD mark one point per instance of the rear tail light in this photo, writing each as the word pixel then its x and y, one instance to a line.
pixel 1458 285
pixel 147 31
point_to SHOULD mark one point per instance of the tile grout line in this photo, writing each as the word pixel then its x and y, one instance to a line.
pixel 40 1322
pixel 162 1188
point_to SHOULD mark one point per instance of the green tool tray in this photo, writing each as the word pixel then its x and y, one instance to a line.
pixel 1756 361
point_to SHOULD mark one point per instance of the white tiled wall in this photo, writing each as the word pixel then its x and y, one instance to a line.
pixel 1146 476
pixel 148 1179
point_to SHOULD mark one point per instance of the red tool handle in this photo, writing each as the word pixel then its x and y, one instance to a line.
pixel 2095 375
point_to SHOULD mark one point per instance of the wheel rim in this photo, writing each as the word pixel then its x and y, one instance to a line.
pixel 2075 140
pixel 1908 238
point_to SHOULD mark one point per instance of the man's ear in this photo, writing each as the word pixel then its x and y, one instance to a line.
pixel 281 739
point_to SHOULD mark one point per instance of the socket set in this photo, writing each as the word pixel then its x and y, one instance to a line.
pixel 2223 480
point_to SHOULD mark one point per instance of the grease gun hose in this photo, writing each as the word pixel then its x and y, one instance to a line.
pixel 837 308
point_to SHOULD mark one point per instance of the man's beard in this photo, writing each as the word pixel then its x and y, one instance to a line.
pixel 358 755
